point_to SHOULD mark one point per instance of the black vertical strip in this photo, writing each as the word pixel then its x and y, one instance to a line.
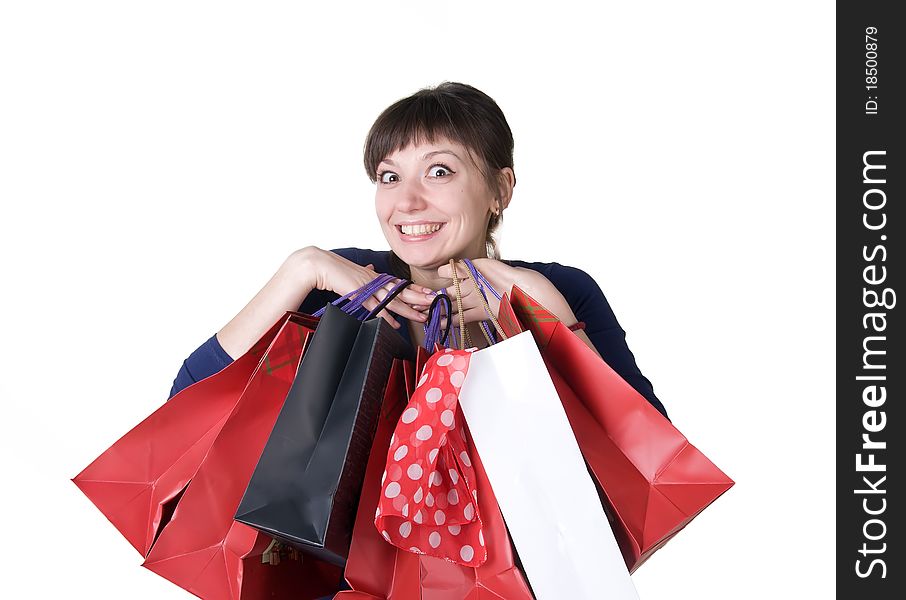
pixel 871 370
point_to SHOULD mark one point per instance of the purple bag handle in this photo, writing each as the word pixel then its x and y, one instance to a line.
pixel 365 292
pixel 432 327
pixel 394 292
pixel 481 283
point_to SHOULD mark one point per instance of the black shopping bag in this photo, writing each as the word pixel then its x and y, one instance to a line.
pixel 306 486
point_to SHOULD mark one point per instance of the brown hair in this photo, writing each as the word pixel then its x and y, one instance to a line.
pixel 458 112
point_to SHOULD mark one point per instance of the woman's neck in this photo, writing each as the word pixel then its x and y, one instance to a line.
pixel 429 277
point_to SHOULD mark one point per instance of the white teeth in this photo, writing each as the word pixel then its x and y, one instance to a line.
pixel 419 229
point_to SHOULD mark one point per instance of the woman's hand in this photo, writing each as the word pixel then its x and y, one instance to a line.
pixel 503 277
pixel 332 272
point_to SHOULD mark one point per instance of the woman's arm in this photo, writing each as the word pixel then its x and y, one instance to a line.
pixel 302 273
pixel 571 295
pixel 286 290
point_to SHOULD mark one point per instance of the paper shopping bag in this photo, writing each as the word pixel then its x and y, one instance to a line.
pixel 539 477
pixel 653 480
pixel 202 549
pixel 306 485
pixel 378 570
pixel 138 480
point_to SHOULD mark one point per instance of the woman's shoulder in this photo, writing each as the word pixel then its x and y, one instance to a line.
pixel 579 289
pixel 571 278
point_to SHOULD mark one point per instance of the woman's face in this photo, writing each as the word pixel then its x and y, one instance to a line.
pixel 433 204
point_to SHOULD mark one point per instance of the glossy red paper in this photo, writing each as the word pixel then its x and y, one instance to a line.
pixel 202 549
pixel 654 480
pixel 133 480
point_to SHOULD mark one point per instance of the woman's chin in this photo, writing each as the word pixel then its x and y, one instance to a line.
pixel 421 260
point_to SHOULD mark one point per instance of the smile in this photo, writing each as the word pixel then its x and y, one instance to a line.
pixel 419 231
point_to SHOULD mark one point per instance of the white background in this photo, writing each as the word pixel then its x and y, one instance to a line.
pixel 159 160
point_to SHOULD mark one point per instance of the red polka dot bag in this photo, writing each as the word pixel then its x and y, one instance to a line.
pixel 430 558
pixel 429 494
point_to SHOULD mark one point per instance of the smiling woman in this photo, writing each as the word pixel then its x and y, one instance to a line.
pixel 434 204
pixel 442 164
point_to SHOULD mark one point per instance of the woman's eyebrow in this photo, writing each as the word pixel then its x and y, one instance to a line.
pixel 436 152
pixel 425 157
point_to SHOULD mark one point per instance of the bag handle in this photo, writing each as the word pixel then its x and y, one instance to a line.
pixel 432 327
pixel 480 282
pixel 464 337
pixel 464 334
pixel 394 292
pixel 360 295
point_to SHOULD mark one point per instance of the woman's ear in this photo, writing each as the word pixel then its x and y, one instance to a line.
pixel 506 181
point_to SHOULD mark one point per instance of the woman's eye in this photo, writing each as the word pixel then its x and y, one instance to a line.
pixel 388 177
pixel 440 171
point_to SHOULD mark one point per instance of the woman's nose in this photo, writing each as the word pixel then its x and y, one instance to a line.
pixel 412 197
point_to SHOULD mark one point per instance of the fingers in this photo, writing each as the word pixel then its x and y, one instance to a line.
pixel 404 303
pixel 405 310
pixel 461 272
pixel 473 306
pixel 415 295
pixel 468 296
pixel 373 303
pixel 401 304
pixel 471 315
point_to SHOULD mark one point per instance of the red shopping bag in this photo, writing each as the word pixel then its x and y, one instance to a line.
pixel 378 570
pixel 202 549
pixel 653 480
pixel 137 481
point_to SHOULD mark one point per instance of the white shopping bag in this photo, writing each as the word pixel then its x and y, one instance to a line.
pixel 548 500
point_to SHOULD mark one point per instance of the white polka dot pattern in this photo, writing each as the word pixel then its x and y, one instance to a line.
pixel 467 553
pixel 393 490
pixel 434 539
pixel 409 415
pixel 457 377
pixel 429 474
pixel 401 453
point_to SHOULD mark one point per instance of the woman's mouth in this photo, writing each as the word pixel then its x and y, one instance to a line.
pixel 418 232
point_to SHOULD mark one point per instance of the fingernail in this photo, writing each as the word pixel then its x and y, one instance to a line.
pixel 430 296
pixel 422 317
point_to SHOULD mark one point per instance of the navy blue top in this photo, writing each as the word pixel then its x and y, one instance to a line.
pixel 580 290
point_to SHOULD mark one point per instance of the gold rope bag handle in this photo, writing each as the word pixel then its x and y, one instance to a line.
pixel 464 334
pixel 491 316
pixel 464 337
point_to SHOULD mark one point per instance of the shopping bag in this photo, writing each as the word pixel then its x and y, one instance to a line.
pixel 137 482
pixel 305 488
pixel 549 501
pixel 202 549
pixel 378 570
pixel 429 491
pixel 653 481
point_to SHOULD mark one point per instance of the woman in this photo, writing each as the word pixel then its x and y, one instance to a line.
pixel 442 161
